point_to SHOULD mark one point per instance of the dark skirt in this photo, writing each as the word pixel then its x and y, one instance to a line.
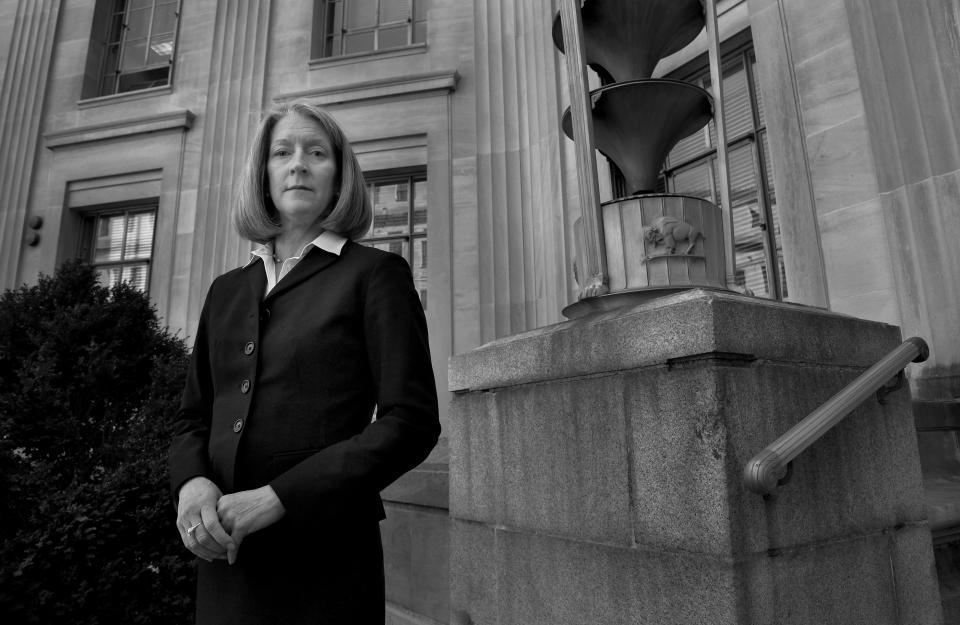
pixel 328 576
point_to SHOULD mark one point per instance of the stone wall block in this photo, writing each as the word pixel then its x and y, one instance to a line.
pixel 912 565
pixel 564 456
pixel 474 584
pixel 476 464
pixel 678 462
pixel 793 333
pixel 547 579
pixel 842 166
pixel 843 583
pixel 834 491
pixel 672 327
pixel 416 560
pixel 840 542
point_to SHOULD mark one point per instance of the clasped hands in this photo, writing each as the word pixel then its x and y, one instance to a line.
pixel 223 521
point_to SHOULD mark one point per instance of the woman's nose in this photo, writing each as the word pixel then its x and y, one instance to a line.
pixel 296 164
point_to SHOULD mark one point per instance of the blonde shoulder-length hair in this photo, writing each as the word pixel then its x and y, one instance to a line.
pixel 255 216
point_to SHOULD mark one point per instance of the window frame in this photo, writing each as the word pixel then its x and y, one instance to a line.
pixel 739 52
pixel 323 37
pixel 411 176
pixel 103 82
pixel 90 220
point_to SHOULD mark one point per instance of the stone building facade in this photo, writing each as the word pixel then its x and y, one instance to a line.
pixel 124 124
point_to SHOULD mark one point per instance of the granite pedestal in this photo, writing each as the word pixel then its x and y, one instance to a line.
pixel 596 473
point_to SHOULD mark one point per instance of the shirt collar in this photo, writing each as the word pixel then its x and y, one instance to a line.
pixel 327 241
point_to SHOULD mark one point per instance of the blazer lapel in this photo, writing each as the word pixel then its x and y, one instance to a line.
pixel 315 260
pixel 258 279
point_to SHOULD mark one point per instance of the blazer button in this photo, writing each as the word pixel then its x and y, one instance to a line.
pixel 248 348
pixel 238 425
pixel 264 314
pixel 245 386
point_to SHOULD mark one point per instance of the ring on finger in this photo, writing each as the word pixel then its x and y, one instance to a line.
pixel 193 528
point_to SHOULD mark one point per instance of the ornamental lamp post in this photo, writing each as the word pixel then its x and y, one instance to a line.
pixel 645 244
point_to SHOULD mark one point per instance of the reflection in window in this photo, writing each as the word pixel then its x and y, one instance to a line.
pixel 400 222
pixel 356 26
pixel 690 169
pixel 131 46
pixel 119 244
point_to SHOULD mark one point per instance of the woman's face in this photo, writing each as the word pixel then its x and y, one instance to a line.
pixel 302 170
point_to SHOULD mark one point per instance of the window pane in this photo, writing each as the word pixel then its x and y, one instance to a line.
pixel 326 26
pixel 361 14
pixel 398 246
pixel 394 11
pixel 748 222
pixel 134 54
pixel 736 100
pixel 420 206
pixel 138 24
pixel 109 241
pixel 165 18
pixel 108 276
pixel 419 268
pixel 392 37
pixel 694 180
pixel 139 4
pixel 145 79
pixel 391 209
pixel 336 26
pixel 135 276
pixel 689 147
pixel 333 46
pixel 419 32
pixel 358 42
pixel 139 236
pixel 161 49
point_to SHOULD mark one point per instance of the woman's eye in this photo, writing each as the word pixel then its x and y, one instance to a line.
pixel 318 153
pixel 280 152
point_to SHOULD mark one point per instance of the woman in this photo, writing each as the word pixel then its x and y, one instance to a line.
pixel 275 463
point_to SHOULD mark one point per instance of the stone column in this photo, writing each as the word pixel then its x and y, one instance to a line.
pixel 23 85
pixel 522 279
pixel 596 473
pixel 235 97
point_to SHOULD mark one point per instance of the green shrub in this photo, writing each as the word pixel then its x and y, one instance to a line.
pixel 88 383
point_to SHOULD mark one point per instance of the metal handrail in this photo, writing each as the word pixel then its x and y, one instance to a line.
pixel 772 466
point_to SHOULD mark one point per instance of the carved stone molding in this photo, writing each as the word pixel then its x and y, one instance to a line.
pixel 443 81
pixel 120 128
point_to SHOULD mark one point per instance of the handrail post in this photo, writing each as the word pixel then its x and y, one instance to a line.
pixel 763 473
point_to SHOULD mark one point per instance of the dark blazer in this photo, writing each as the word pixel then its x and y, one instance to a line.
pixel 281 391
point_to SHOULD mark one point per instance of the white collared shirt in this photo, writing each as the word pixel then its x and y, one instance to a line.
pixel 327 241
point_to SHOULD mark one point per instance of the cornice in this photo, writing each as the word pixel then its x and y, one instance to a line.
pixel 443 81
pixel 120 128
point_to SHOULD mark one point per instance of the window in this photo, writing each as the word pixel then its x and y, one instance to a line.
pixel 119 244
pixel 691 169
pixel 343 27
pixel 131 46
pixel 400 221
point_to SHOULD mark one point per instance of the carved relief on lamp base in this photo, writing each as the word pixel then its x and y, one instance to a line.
pixel 656 244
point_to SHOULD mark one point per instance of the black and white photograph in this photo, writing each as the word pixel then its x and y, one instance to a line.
pixel 479 312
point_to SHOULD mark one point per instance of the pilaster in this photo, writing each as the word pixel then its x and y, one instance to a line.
pixel 523 272
pixel 235 99
pixel 22 100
